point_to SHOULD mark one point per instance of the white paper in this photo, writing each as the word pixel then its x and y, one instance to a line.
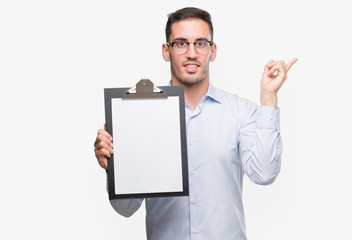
pixel 147 145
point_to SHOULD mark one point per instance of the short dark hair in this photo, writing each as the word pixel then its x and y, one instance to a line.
pixel 187 13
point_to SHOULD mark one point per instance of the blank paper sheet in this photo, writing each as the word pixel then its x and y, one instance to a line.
pixel 147 145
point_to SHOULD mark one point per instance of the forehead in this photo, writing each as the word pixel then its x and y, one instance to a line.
pixel 190 29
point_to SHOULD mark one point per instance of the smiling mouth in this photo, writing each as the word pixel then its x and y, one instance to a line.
pixel 191 67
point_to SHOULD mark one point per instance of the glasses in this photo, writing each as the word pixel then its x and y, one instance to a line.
pixel 181 46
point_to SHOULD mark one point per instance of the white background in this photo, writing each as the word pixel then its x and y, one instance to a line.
pixel 57 56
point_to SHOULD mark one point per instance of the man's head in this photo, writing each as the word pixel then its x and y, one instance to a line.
pixel 188 13
pixel 189 47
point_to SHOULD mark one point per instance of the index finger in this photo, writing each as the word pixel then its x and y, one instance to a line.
pixel 290 63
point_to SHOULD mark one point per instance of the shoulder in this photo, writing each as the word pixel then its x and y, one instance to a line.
pixel 233 100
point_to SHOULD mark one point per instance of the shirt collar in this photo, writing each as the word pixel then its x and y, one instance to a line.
pixel 212 93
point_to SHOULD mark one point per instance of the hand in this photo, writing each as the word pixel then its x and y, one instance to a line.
pixel 275 73
pixel 103 147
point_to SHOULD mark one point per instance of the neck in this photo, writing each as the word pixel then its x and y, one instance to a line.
pixel 194 93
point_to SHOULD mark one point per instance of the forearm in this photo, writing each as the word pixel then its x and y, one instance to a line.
pixel 265 160
pixel 261 146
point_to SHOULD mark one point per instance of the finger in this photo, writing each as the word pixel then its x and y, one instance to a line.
pixel 277 67
pixel 273 63
pixel 268 65
pixel 267 68
pixel 270 62
pixel 105 133
pixel 102 154
pixel 104 146
pixel 290 63
pixel 274 68
pixel 100 138
pixel 101 141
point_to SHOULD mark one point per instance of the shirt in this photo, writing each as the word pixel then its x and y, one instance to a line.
pixel 227 136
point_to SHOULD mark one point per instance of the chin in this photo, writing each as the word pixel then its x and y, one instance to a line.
pixel 190 80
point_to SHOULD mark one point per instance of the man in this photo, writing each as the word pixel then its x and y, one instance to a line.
pixel 227 136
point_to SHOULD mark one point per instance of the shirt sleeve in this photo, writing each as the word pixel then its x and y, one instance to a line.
pixel 260 143
pixel 125 207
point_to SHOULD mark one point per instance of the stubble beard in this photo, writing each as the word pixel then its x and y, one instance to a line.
pixel 190 79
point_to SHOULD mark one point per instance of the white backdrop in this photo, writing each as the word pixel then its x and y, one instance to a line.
pixel 57 56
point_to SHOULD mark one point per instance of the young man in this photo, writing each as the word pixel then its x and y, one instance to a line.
pixel 227 136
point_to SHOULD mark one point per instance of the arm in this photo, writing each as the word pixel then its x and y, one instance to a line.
pixel 260 143
pixel 103 148
pixel 260 140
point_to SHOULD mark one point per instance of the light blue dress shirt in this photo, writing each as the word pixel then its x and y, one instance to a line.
pixel 227 136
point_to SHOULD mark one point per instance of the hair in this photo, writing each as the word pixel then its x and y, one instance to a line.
pixel 188 13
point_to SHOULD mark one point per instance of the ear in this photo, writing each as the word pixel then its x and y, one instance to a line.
pixel 213 52
pixel 165 52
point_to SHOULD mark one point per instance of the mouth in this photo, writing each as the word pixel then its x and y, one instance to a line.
pixel 191 67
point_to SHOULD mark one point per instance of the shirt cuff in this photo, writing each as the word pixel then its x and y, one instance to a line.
pixel 268 118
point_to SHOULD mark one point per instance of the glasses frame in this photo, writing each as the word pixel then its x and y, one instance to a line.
pixel 171 44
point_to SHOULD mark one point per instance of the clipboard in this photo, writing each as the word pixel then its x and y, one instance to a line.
pixel 148 127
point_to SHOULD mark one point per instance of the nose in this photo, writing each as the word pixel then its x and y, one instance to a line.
pixel 191 51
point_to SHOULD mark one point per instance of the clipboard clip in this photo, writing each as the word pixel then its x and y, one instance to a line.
pixel 144 89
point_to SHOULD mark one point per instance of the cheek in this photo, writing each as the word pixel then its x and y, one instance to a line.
pixel 174 63
pixel 209 57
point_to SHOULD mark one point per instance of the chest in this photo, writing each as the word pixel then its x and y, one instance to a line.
pixel 212 133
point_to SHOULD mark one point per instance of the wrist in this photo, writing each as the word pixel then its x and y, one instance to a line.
pixel 268 99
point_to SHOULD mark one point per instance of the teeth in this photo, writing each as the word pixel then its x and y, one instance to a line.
pixel 191 66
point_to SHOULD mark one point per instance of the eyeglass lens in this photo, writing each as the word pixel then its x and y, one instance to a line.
pixel 181 47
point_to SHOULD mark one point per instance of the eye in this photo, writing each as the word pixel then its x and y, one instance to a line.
pixel 181 44
pixel 201 43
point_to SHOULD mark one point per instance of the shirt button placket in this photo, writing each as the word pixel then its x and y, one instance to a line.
pixel 193 206
pixel 193 180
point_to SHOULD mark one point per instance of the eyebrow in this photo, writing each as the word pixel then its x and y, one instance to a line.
pixel 184 39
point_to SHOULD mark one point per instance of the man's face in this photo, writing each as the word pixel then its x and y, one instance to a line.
pixel 191 67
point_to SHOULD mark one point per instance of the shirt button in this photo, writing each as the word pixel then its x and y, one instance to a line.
pixel 194 201
pixel 195 231
pixel 193 172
